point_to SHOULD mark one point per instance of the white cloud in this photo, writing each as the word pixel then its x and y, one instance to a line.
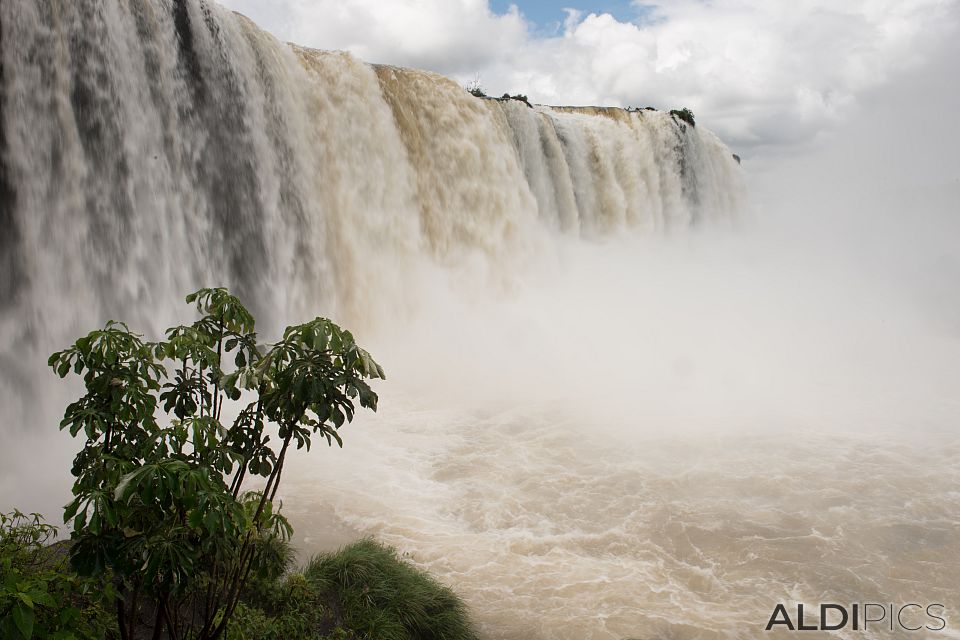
pixel 442 35
pixel 757 72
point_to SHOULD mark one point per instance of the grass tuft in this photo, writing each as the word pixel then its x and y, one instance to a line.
pixel 380 595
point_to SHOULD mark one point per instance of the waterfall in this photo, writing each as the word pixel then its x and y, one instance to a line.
pixel 152 147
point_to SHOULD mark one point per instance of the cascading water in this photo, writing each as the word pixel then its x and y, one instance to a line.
pixel 150 148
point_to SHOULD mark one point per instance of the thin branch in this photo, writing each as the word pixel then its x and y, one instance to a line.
pixel 158 621
pixel 217 402
pixel 125 633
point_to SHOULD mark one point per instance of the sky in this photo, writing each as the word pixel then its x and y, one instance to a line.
pixel 769 77
pixel 549 17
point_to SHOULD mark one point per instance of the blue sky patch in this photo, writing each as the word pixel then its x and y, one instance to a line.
pixel 549 16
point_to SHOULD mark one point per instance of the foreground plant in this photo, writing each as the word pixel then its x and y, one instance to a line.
pixel 159 501
pixel 364 590
pixel 39 596
pixel 383 596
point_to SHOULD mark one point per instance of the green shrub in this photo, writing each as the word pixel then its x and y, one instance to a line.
pixel 379 596
pixel 40 597
pixel 293 610
pixel 474 88
pixel 522 98
pixel 684 114
pixel 158 501
pixel 362 592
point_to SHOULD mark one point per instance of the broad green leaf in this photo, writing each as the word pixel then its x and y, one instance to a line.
pixel 23 617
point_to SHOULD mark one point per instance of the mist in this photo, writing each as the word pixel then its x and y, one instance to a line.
pixel 830 302
pixel 660 434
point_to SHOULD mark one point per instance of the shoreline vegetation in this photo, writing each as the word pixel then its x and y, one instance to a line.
pixel 682 117
pixel 476 90
pixel 363 591
pixel 165 542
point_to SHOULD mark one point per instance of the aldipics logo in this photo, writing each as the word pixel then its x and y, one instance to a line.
pixel 864 616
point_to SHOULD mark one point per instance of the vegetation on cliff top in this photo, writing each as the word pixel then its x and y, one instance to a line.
pixel 474 89
pixel 684 114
